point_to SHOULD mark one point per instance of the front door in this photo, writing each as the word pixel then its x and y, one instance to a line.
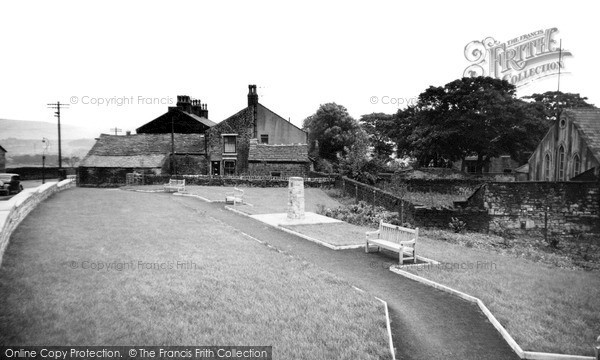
pixel 216 168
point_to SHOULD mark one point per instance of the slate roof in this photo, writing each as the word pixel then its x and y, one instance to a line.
pixel 140 150
pixel 203 120
pixel 278 153
pixel 587 121
pixel 3 149
pixel 184 122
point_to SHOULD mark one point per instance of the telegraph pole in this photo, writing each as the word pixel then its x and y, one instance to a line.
pixel 58 106
pixel 116 130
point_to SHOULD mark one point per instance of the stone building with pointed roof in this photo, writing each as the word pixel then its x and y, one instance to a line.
pixel 113 156
pixel 190 116
pixel 570 148
pixel 201 147
pixel 229 140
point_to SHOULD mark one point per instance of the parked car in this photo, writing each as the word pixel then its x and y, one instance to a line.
pixel 10 184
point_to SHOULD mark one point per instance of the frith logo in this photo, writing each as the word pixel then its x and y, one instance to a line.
pixel 519 61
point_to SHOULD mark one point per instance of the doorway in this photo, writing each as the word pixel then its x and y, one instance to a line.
pixel 216 167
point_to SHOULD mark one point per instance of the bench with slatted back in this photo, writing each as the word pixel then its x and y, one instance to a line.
pixel 395 238
pixel 175 186
pixel 235 197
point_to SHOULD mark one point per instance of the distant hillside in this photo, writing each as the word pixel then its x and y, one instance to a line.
pixel 75 147
pixel 20 129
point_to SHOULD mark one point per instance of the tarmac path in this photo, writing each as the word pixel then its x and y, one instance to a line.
pixel 426 323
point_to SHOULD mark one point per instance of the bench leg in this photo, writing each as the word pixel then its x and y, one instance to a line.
pixel 401 256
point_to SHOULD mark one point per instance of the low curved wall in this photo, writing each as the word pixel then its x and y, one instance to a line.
pixel 13 211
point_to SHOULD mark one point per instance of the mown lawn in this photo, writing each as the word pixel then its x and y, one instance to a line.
pixel 171 276
pixel 545 308
pixel 544 298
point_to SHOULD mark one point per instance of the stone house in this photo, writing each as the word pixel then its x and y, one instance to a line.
pixel 571 147
pixel 503 164
pixel 229 141
pixel 189 116
pixel 278 160
pixel 113 156
pixel 2 159
pixel 201 146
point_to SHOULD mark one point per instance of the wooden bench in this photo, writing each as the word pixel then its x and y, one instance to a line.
pixel 235 197
pixel 395 238
pixel 174 185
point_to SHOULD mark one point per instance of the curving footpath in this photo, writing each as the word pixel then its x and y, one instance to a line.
pixel 426 323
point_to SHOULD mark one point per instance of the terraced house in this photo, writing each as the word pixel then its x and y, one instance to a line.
pixel 253 141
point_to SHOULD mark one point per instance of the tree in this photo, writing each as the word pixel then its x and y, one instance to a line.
pixel 331 131
pixel 471 116
pixel 377 127
pixel 554 101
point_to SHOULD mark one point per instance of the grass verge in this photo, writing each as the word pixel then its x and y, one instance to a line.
pixel 126 268
pixel 544 308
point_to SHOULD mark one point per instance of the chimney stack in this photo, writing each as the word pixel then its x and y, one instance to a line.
pixel 252 95
pixel 253 104
pixel 184 103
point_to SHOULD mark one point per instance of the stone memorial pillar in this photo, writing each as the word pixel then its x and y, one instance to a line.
pixel 295 198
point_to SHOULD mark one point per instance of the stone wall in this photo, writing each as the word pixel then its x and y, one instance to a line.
pixel 475 219
pixel 441 186
pixel 13 211
pixel 285 169
pixel 248 181
pixel 533 207
pixel 103 177
pixel 516 207
pixel 377 197
pixel 37 172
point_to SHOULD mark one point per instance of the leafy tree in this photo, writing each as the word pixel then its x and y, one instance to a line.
pixel 331 131
pixel 357 165
pixel 377 127
pixel 470 116
pixel 554 101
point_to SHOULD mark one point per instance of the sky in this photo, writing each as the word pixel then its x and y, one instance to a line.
pixel 371 56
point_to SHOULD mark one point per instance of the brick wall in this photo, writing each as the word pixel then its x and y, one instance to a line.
pixel 285 169
pixel 13 211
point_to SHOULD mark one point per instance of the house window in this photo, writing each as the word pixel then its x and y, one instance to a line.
pixel 229 167
pixel 229 144
pixel 264 138
pixel 471 167
pixel 547 167
pixel 576 165
pixel 561 163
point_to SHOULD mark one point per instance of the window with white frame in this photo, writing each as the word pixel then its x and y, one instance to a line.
pixel 229 142
pixel 229 167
